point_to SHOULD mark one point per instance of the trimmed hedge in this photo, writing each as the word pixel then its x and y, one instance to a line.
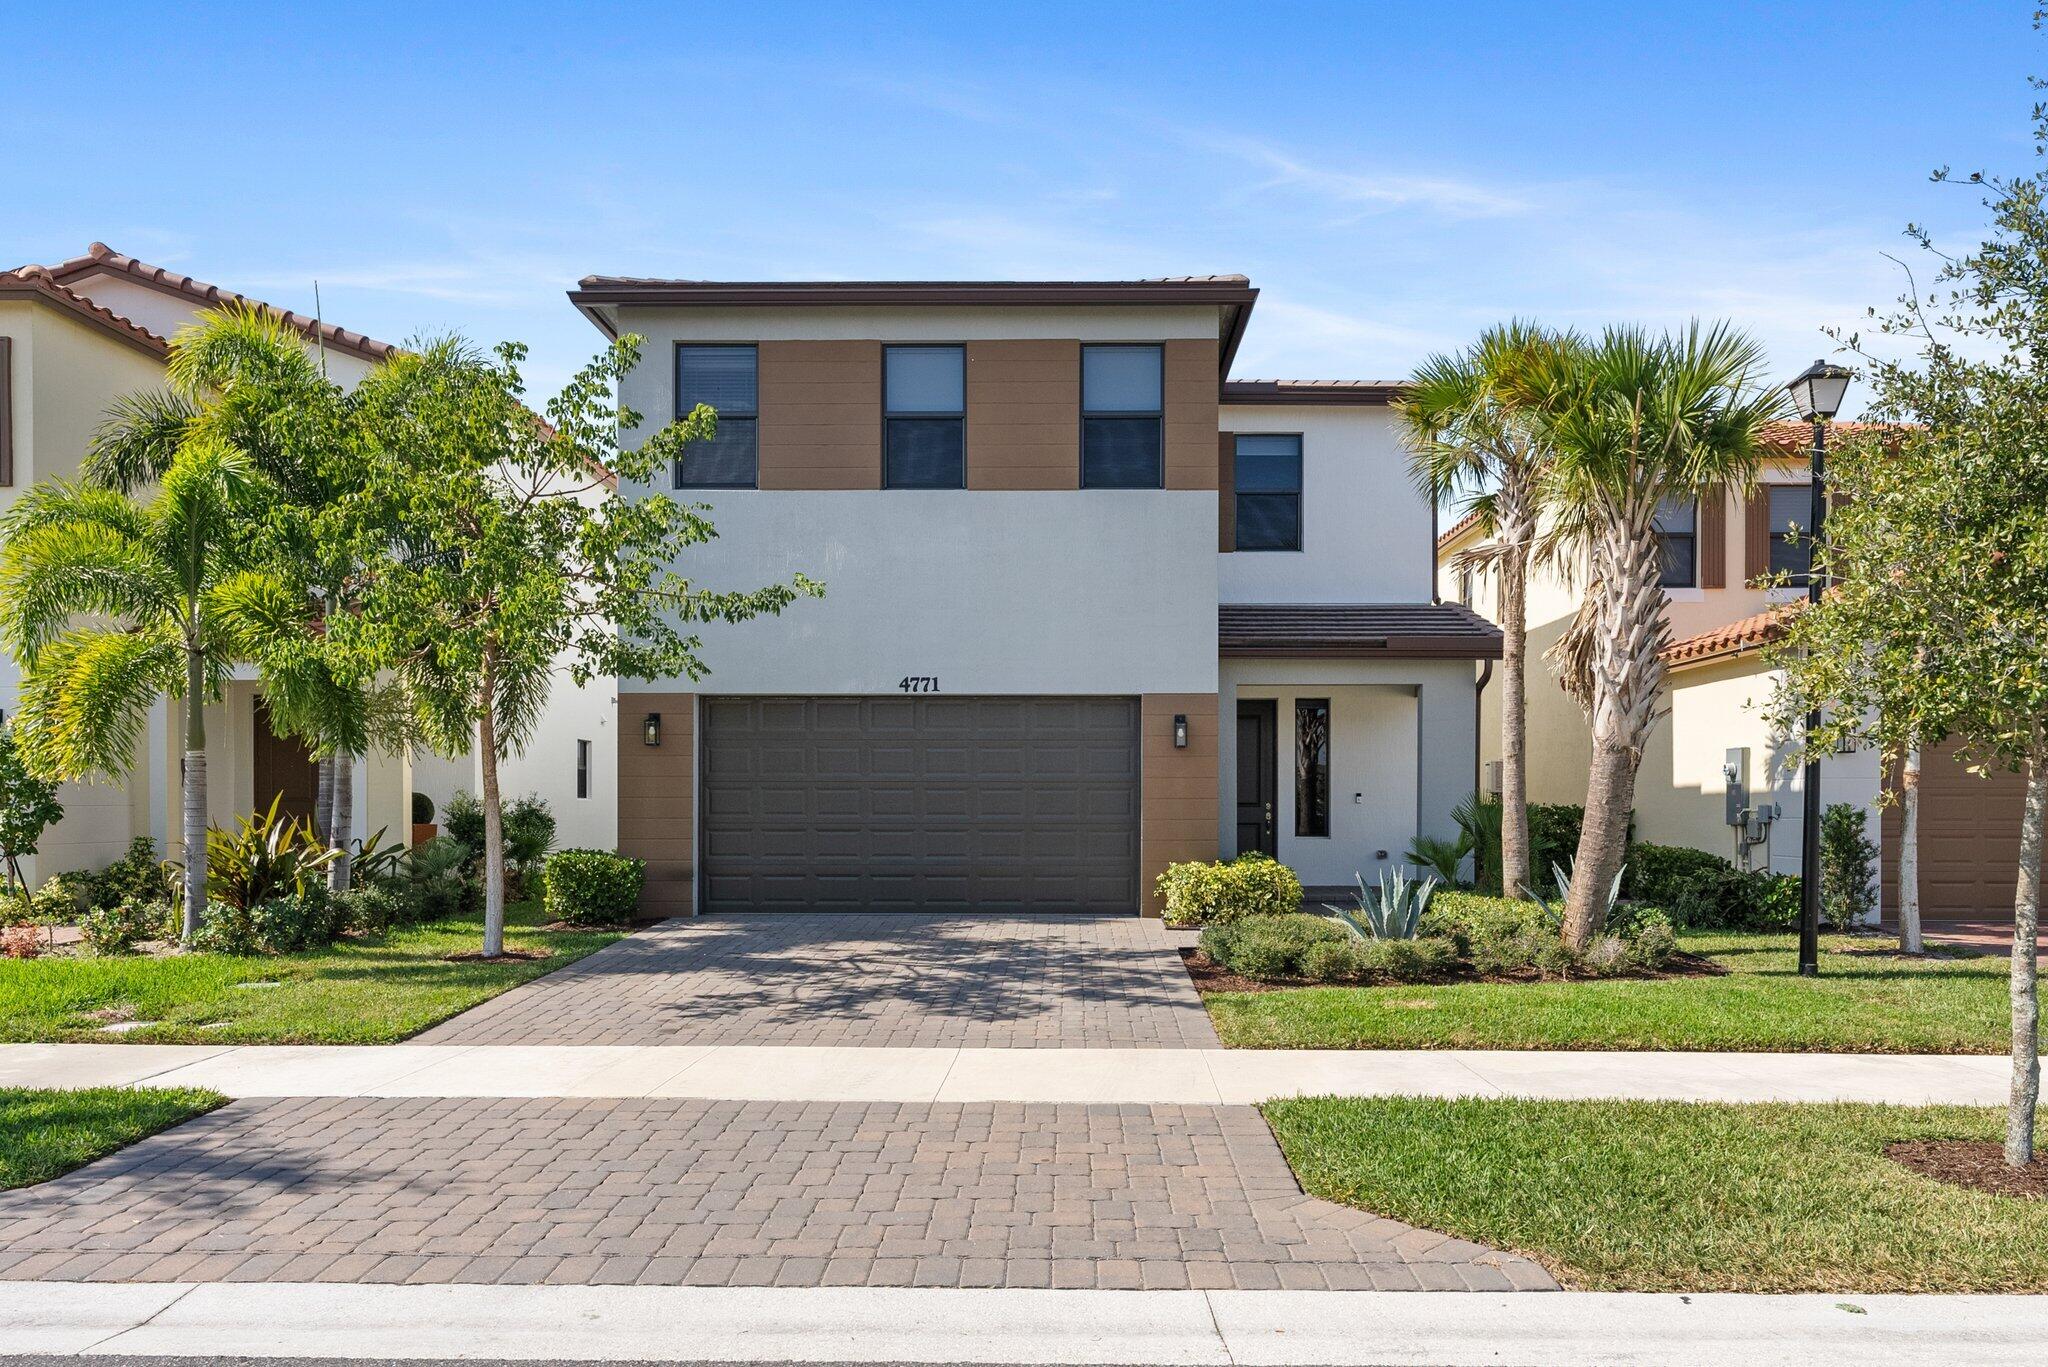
pixel 592 887
pixel 1320 949
pixel 1218 894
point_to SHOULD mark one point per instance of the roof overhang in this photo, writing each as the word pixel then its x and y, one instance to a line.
pixel 36 285
pixel 1355 631
pixel 599 297
pixel 1358 393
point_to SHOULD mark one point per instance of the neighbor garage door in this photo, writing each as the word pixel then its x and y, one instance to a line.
pixel 920 804
pixel 1969 840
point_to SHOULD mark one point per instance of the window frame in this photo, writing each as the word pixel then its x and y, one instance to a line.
pixel 1320 776
pixel 1300 490
pixel 1692 572
pixel 1157 415
pixel 676 480
pixel 583 768
pixel 888 415
pixel 1779 536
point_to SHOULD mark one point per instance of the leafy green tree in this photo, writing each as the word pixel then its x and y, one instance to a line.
pixel 1935 623
pixel 1473 439
pixel 28 807
pixel 108 603
pixel 512 554
pixel 1631 421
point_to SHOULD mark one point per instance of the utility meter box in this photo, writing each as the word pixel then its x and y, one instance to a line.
pixel 1735 769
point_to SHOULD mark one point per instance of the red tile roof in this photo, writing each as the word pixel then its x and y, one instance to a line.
pixel 38 282
pixel 102 259
pixel 1457 529
pixel 1734 638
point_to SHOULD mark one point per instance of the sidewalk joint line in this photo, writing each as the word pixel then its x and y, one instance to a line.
pixel 142 1323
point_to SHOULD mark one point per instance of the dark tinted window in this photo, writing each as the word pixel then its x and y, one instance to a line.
pixel 1791 510
pixel 1268 492
pixel 1312 766
pixel 1678 542
pixel 1121 417
pixel 724 378
pixel 924 397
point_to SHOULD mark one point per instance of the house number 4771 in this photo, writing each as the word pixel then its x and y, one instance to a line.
pixel 919 683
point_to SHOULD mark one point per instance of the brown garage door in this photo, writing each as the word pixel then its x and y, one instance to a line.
pixel 920 804
pixel 1969 840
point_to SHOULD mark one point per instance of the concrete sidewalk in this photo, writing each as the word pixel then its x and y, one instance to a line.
pixel 1092 1076
pixel 875 1325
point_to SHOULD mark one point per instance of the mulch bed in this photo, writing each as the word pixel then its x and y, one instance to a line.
pixel 478 956
pixel 1978 1164
pixel 1211 976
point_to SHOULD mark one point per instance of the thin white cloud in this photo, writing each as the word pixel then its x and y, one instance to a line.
pixel 1378 191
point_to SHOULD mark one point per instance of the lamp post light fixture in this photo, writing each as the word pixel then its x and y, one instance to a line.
pixel 1817 394
pixel 650 730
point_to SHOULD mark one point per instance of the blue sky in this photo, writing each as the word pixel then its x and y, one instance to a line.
pixel 1393 176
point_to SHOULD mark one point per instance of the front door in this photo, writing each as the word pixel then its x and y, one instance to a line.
pixel 283 770
pixel 1258 757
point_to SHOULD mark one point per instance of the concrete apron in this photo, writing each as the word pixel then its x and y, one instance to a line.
pixel 1091 1076
pixel 1225 1328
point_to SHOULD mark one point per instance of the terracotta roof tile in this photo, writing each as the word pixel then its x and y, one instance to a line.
pixel 100 257
pixel 1734 638
pixel 1457 529
pixel 40 281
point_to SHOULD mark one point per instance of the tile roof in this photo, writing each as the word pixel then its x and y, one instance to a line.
pixel 1457 529
pixel 1312 391
pixel 102 259
pixel 39 282
pixel 1380 630
pixel 1733 638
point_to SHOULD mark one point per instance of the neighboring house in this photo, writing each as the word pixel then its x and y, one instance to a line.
pixel 1718 683
pixel 1091 608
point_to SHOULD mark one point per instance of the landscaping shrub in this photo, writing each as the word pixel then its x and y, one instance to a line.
pixel 137 875
pixel 592 887
pixel 1774 901
pixel 529 835
pixel 1270 946
pixel 21 942
pixel 1480 818
pixel 371 910
pixel 464 822
pixel 1219 894
pixel 439 885
pixel 119 929
pixel 271 854
pixel 1468 919
pixel 51 905
pixel 1553 842
pixel 1668 874
pixel 1847 892
pixel 295 922
pixel 422 809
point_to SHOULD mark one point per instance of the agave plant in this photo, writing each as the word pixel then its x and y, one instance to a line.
pixel 1392 911
pixel 1564 893
pixel 264 857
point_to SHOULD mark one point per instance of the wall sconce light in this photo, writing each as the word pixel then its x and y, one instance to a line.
pixel 1180 730
pixel 650 730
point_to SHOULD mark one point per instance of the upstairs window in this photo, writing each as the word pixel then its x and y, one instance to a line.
pixel 924 417
pixel 1791 509
pixel 1677 526
pixel 1122 417
pixel 1268 492
pixel 724 378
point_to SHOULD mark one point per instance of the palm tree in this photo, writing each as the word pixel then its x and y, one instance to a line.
pixel 1633 420
pixel 108 603
pixel 1471 439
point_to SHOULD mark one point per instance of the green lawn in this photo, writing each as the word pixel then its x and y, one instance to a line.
pixel 371 991
pixel 1673 1196
pixel 1862 1002
pixel 46 1134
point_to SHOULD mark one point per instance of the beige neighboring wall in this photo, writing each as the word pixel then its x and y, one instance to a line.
pixel 1189 394
pixel 658 799
pixel 1024 414
pixel 1177 820
pixel 821 415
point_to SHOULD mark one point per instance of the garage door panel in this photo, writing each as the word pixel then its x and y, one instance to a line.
pixel 920 804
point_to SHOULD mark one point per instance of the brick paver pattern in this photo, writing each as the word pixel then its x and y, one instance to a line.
pixel 872 979
pixel 691 1192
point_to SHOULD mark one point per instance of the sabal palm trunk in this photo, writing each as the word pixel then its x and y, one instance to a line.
pixel 494 822
pixel 341 823
pixel 323 796
pixel 1626 677
pixel 1514 709
pixel 193 808
pixel 1909 851
pixel 2024 979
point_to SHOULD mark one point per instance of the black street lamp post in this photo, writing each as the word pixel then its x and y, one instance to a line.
pixel 1817 394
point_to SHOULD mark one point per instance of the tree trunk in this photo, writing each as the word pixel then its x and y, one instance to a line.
pixel 494 825
pixel 1909 851
pixel 194 805
pixel 1603 843
pixel 341 823
pixel 1514 722
pixel 2024 980
pixel 323 798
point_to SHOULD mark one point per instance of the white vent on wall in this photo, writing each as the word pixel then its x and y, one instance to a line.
pixel 1492 776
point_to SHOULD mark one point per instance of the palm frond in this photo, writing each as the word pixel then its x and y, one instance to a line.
pixel 134 443
pixel 55 572
pixel 85 703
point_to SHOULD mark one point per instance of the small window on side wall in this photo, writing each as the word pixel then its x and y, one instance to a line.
pixel 1268 493
pixel 1122 417
pixel 1791 509
pixel 723 377
pixel 583 768
pixel 1677 528
pixel 1311 766
pixel 924 417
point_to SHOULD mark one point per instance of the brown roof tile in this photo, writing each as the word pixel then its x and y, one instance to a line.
pixel 1374 392
pixel 100 258
pixel 39 282
pixel 1380 630
pixel 1734 638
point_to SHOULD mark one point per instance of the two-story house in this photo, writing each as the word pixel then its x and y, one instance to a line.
pixel 1091 608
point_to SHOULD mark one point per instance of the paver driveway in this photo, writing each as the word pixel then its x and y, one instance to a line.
pixel 870 978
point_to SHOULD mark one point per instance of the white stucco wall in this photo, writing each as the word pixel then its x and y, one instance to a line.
pixel 165 313
pixel 1365 531
pixel 1070 591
